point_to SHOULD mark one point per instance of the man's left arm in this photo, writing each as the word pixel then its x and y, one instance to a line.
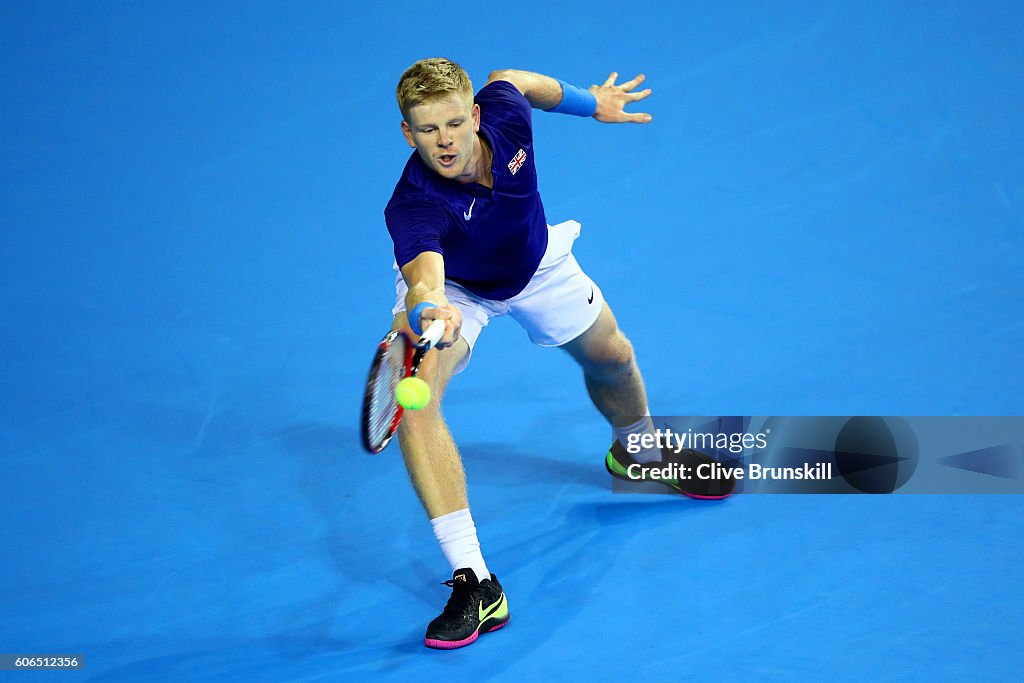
pixel 608 103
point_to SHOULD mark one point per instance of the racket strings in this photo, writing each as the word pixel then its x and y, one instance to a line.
pixel 383 406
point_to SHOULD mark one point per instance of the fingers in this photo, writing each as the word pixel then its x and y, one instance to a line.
pixel 613 98
pixel 629 85
pixel 624 117
pixel 452 325
pixel 612 103
pixel 624 87
pixel 451 333
pixel 638 95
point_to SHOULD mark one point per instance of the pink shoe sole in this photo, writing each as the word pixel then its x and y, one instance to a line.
pixel 455 644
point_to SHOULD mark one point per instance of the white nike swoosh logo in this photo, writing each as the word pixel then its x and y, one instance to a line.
pixel 469 214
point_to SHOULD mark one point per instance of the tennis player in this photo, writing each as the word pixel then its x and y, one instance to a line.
pixel 472 243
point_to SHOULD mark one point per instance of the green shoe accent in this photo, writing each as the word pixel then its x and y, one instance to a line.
pixel 498 610
pixel 614 466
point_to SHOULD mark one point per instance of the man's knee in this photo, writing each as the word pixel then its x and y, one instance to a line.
pixel 419 423
pixel 610 358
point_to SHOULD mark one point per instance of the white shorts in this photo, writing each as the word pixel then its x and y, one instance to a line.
pixel 558 304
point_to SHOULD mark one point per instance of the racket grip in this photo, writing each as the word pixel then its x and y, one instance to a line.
pixel 432 335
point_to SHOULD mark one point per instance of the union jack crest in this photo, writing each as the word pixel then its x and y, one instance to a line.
pixel 517 162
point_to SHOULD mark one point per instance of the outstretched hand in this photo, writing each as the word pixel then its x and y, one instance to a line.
pixel 612 100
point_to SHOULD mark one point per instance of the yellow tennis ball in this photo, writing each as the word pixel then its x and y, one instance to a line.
pixel 412 393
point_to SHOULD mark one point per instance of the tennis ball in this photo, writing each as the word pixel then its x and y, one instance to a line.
pixel 412 393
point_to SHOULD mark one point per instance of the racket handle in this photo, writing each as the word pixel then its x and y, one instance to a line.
pixel 432 335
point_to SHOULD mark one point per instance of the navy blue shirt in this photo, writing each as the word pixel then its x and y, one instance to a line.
pixel 492 239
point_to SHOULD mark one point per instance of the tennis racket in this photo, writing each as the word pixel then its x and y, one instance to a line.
pixel 396 358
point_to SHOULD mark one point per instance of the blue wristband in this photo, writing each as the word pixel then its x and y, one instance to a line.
pixel 416 312
pixel 575 101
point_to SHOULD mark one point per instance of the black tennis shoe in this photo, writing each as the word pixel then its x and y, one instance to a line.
pixel 690 472
pixel 475 607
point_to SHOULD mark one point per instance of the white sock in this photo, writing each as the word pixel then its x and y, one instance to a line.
pixel 644 426
pixel 457 535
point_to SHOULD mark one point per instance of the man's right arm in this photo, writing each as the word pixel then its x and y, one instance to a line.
pixel 424 276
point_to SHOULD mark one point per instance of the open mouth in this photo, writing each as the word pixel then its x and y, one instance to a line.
pixel 447 159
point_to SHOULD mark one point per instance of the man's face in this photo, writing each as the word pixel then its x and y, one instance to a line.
pixel 444 133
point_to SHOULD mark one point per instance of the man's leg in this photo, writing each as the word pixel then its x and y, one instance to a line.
pixel 617 389
pixel 434 464
pixel 431 457
pixel 610 370
pixel 435 469
pixel 614 382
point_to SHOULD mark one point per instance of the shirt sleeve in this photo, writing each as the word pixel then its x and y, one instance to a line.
pixel 416 226
pixel 503 102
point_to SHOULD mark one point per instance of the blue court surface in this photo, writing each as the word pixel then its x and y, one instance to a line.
pixel 824 218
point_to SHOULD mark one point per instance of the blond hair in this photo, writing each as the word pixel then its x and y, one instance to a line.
pixel 429 80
